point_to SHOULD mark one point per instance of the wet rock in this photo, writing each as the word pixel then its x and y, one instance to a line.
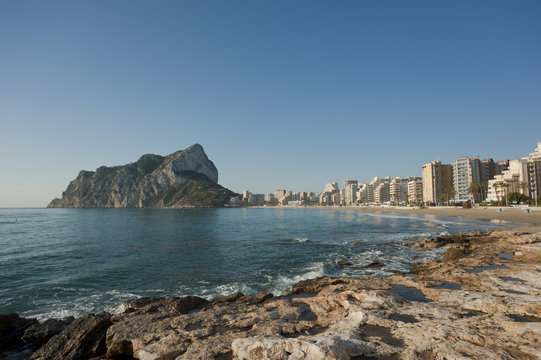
pixel 373 265
pixel 149 305
pixel 40 333
pixel 313 286
pixel 12 328
pixel 82 339
pixel 227 298
pixel 256 298
pixel 344 263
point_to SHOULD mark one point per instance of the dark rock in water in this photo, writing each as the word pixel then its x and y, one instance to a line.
pixel 227 299
pixel 135 304
pixel 84 338
pixel 344 263
pixel 186 178
pixel 12 328
pixel 148 305
pixel 40 333
pixel 373 265
pixel 464 239
pixel 256 298
pixel 313 286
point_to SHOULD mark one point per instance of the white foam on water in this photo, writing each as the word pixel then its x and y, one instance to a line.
pixel 421 218
pixel 284 283
pixel 301 240
pixel 110 301
pixel 210 292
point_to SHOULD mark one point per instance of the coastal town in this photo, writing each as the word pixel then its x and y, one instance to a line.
pixel 466 181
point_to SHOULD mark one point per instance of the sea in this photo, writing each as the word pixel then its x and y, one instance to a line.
pixel 69 262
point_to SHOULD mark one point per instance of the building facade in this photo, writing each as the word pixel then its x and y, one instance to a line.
pixel 522 176
pixel 437 182
pixel 381 193
pixel 415 191
pixel 398 191
pixel 350 192
pixel 466 170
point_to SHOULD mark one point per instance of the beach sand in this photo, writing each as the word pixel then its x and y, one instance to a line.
pixel 514 217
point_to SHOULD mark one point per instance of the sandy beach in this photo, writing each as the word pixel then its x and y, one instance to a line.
pixel 514 217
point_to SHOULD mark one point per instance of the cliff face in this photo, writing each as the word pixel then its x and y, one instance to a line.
pixel 186 178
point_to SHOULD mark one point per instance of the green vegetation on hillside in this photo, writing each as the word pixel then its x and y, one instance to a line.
pixel 198 191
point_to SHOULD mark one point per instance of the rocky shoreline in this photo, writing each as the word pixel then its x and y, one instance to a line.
pixel 481 300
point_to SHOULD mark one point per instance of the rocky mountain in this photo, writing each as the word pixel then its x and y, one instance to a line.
pixel 186 178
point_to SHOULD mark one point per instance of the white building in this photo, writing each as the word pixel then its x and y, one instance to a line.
pixel 330 194
pixel 398 191
pixel 465 171
pixel 350 192
pixel 331 187
pixel 381 193
pixel 415 190
pixel 523 176
pixel 361 194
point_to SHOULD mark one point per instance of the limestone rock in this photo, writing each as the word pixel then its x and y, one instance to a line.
pixel 82 339
pixel 186 178
pixel 172 304
pixel 40 333
pixel 12 328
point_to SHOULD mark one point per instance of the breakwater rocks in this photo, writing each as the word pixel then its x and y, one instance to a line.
pixel 481 301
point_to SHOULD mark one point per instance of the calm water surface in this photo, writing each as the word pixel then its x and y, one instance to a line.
pixel 59 262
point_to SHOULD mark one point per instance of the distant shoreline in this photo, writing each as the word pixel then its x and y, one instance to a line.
pixel 514 217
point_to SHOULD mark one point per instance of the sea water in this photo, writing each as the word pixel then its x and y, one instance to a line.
pixel 61 262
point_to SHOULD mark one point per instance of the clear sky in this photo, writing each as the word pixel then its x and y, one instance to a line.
pixel 281 94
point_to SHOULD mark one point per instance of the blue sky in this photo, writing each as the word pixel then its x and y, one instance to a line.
pixel 288 94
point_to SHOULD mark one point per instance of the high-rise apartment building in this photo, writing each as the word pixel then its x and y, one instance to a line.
pixel 381 193
pixel 369 189
pixel 534 173
pixel 331 187
pixel 398 191
pixel 500 167
pixel 280 196
pixel 361 194
pixel 330 194
pixel 465 171
pixel 350 192
pixel 437 181
pixel 415 190
pixel 522 176
pixel 487 170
